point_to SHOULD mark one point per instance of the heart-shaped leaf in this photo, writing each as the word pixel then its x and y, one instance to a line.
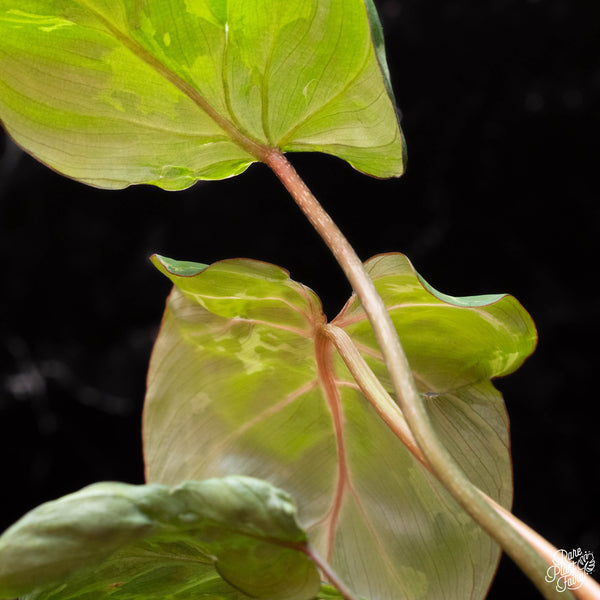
pixel 118 92
pixel 244 379
pixel 229 539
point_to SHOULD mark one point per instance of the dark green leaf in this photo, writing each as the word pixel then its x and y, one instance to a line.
pixel 229 539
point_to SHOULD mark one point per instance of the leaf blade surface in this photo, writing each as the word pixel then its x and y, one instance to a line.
pixel 231 538
pixel 382 521
pixel 469 339
pixel 167 92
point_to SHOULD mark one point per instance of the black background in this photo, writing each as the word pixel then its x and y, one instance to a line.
pixel 500 102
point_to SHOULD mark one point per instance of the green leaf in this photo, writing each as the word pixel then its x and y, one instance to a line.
pixel 243 380
pixel 230 538
pixel 328 593
pixel 120 92
pixel 469 339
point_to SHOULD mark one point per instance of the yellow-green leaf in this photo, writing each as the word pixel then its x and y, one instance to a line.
pixel 119 92
pixel 244 380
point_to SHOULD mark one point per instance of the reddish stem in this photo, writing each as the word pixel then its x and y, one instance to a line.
pixel 440 461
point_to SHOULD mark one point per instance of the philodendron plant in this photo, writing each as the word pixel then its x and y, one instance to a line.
pixel 382 426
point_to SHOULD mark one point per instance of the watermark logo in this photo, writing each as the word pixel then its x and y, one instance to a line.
pixel 569 568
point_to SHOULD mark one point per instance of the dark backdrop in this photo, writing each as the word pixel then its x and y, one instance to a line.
pixel 499 101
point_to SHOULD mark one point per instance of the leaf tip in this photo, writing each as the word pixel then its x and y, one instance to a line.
pixel 179 268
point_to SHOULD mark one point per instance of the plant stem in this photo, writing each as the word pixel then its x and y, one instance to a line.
pixel 329 573
pixel 389 411
pixel 442 464
pixel 374 391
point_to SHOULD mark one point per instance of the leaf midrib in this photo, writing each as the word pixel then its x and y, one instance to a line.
pixel 256 149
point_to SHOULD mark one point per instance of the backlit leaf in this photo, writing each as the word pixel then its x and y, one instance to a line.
pixel 228 539
pixel 243 380
pixel 119 92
